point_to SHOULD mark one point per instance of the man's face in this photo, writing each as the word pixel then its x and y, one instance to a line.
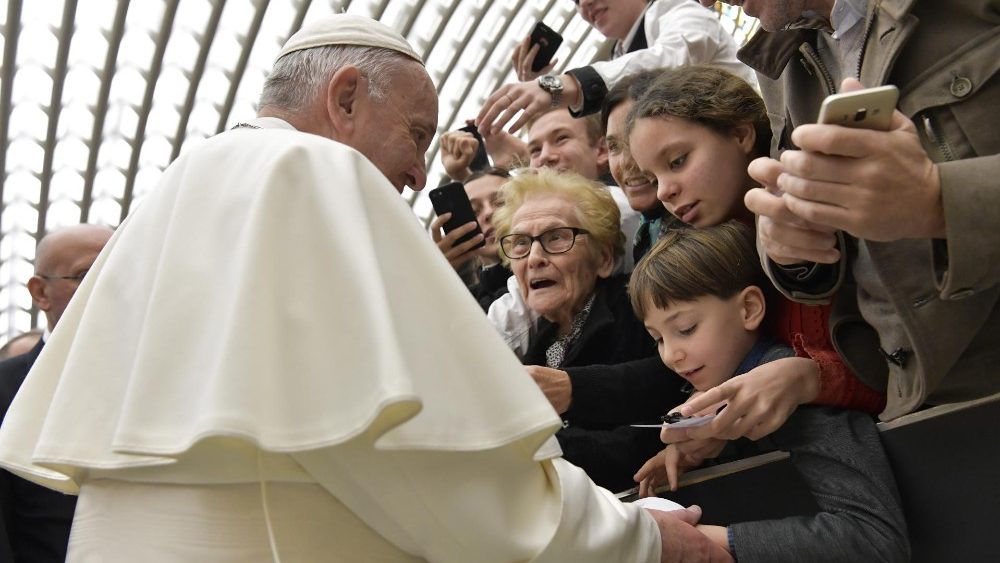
pixel 70 255
pixel 558 140
pixel 395 133
pixel 774 15
pixel 613 18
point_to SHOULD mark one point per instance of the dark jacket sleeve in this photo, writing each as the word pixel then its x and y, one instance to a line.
pixel 841 459
pixel 640 390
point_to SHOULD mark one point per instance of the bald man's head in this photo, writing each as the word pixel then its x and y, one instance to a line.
pixel 61 260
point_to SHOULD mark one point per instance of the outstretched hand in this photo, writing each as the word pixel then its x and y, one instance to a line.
pixel 757 402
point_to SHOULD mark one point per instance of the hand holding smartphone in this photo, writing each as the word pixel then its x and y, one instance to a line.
pixel 481 160
pixel 548 41
pixel 870 108
pixel 451 198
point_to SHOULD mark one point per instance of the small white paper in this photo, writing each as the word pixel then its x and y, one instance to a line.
pixel 657 503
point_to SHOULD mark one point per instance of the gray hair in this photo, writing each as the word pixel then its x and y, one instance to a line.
pixel 298 76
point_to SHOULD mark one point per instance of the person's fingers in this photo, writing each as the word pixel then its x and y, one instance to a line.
pixel 645 490
pixel 458 233
pixel 437 224
pixel 765 170
pixel 672 475
pixel 690 515
pixel 466 246
pixel 527 115
pixel 673 435
pixel 717 394
pixel 496 103
pixel 508 113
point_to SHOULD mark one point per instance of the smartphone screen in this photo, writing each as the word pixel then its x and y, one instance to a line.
pixel 548 40
pixel 451 198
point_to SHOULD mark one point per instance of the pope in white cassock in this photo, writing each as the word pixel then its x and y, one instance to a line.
pixel 270 361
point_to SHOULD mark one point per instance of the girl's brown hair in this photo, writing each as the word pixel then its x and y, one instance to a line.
pixel 706 95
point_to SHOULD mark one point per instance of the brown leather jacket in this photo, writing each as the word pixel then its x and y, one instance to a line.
pixel 920 318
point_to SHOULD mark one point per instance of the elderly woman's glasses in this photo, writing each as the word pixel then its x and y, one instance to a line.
pixel 553 241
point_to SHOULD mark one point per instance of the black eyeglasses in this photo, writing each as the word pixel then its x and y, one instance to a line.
pixel 553 241
pixel 75 277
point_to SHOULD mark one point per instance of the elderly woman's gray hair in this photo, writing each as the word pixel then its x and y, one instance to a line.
pixel 595 207
pixel 299 76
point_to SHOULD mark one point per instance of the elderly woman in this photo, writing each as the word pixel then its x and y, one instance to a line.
pixel 560 235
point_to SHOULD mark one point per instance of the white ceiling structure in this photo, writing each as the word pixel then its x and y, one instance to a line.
pixel 97 97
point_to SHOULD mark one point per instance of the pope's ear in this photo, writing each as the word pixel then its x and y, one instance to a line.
pixel 342 98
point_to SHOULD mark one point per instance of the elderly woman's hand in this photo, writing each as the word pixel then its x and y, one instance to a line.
pixel 556 385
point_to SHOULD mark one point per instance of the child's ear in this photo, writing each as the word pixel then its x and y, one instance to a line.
pixel 745 136
pixel 752 307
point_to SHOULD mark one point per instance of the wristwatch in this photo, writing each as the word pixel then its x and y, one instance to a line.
pixel 554 86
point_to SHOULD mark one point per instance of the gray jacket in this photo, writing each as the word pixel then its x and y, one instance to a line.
pixel 919 318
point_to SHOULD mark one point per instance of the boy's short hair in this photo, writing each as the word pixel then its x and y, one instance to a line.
pixel 687 264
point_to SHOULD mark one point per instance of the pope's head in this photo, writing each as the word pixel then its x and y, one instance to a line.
pixel 358 82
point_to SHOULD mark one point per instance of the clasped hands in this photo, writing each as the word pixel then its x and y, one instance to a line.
pixel 873 185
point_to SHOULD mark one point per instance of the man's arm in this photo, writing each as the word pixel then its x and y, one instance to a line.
pixel 491 505
pixel 685 34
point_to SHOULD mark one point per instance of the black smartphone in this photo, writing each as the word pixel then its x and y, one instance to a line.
pixel 481 161
pixel 548 41
pixel 451 198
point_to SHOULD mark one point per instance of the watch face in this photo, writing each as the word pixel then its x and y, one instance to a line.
pixel 550 82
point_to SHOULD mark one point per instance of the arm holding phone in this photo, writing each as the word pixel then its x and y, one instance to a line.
pixel 875 185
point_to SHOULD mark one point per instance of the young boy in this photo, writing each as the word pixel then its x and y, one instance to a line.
pixel 697 292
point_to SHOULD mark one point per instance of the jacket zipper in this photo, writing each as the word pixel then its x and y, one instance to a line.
pixel 864 39
pixel 933 137
pixel 812 57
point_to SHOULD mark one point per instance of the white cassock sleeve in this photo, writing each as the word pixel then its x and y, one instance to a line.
pixel 484 506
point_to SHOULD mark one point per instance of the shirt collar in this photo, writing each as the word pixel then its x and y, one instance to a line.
pixel 846 14
pixel 621 47
pixel 754 356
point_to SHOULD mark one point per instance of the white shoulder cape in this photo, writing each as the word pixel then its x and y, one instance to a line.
pixel 274 287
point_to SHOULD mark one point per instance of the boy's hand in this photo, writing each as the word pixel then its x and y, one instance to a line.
pixel 652 475
pixel 683 456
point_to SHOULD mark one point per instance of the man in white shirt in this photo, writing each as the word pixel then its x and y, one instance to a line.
pixel 648 35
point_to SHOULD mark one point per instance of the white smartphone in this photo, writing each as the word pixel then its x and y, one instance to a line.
pixel 870 108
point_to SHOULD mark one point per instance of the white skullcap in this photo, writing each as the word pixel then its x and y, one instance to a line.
pixel 348 29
